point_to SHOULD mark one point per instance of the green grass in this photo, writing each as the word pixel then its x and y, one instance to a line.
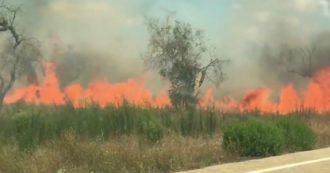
pixel 43 139
pixel 30 126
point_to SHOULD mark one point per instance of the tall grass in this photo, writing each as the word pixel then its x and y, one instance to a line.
pixel 44 139
pixel 31 126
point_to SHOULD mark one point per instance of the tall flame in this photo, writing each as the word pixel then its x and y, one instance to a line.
pixel 99 92
pixel 315 98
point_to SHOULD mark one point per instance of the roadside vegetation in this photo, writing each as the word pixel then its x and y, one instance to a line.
pixel 129 139
pixel 267 137
pixel 132 139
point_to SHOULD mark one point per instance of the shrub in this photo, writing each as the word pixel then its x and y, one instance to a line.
pixel 298 135
pixel 253 138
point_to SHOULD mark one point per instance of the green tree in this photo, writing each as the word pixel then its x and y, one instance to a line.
pixel 179 54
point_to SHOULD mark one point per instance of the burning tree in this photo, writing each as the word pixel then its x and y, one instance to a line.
pixel 178 51
pixel 19 55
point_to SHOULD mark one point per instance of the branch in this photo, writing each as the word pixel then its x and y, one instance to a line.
pixel 12 76
pixel 14 34
pixel 302 74
pixel 213 63
pixel 5 25
pixel 306 55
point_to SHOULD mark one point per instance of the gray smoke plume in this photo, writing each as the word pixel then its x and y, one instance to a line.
pixel 262 30
pixel 105 38
pixel 87 39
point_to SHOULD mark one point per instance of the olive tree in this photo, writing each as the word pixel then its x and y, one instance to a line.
pixel 20 57
pixel 180 55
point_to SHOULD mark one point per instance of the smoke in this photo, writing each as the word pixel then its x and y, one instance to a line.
pixel 105 38
pixel 261 30
pixel 96 37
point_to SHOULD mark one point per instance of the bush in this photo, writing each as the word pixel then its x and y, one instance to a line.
pixel 253 138
pixel 298 135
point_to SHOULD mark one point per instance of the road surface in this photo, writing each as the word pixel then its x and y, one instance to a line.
pixel 317 161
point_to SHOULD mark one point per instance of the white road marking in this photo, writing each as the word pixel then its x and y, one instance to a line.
pixel 290 165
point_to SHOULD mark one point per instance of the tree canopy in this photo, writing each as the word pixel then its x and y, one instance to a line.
pixel 179 53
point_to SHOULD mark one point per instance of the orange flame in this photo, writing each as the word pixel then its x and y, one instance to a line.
pixel 315 98
pixel 289 101
pixel 99 92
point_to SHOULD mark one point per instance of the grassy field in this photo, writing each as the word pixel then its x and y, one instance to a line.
pixel 131 139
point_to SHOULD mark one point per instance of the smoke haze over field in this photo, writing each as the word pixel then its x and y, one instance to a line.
pixel 107 37
pixel 256 25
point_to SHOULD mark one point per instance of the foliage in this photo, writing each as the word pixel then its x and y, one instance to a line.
pixel 253 138
pixel 269 136
pixel 298 136
pixel 31 126
pixel 135 139
pixel 178 51
pixel 29 130
pixel 150 128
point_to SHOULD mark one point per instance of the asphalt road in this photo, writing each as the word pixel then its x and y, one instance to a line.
pixel 317 161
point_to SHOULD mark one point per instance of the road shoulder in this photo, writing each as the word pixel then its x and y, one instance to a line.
pixel 257 166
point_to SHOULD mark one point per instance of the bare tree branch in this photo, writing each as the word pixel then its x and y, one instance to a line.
pixel 17 57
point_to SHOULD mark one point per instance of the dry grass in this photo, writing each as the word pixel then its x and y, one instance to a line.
pixel 124 140
pixel 72 154
pixel 321 127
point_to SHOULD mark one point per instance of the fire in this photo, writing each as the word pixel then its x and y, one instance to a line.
pixel 98 92
pixel 289 101
pixel 257 100
pixel 316 97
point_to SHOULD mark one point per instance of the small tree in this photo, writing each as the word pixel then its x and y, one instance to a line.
pixel 19 55
pixel 178 51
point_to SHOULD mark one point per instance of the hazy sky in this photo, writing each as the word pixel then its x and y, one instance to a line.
pixel 115 29
pixel 117 24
